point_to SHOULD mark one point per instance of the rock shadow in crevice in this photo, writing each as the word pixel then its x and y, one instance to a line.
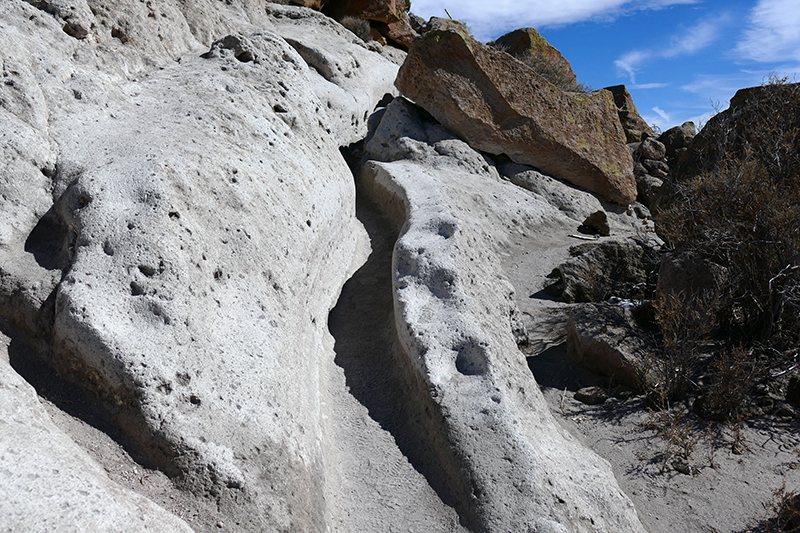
pixel 49 243
pixel 376 373
pixel 71 399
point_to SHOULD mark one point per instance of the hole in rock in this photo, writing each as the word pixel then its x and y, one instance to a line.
pixel 245 56
pixel 471 359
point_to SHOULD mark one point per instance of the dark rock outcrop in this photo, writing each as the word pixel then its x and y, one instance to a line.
pixel 623 268
pixel 636 128
pixel 605 338
pixel 389 17
pixel 677 139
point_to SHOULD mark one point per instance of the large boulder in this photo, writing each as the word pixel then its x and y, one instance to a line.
pixel 377 10
pixel 399 32
pixel 501 106
pixel 678 138
pixel 176 223
pixel 740 131
pixel 527 45
pixel 389 17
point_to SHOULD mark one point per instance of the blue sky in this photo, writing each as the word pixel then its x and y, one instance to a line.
pixel 679 58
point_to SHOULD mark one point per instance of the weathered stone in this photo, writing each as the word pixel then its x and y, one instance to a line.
pixel 655 168
pixel 181 259
pixel 417 23
pixel 532 49
pixel 399 32
pixel 649 188
pixel 633 136
pixel 628 114
pixel 591 395
pixel 443 24
pixel 639 170
pixel 49 483
pixel 386 11
pixel 623 99
pixel 174 232
pixel 677 138
pixel 455 321
pixel 499 105
pixel 598 223
pixel 651 149
pixel 604 338
pixel 74 15
pixel 347 78
pixel 624 268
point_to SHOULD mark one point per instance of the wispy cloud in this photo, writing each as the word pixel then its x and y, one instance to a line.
pixel 686 42
pixel 490 19
pixel 773 33
pixel 629 63
pixel 661 113
pixel 643 86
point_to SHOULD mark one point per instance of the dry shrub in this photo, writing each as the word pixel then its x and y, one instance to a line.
pixel 679 435
pixel 733 374
pixel 685 321
pixel 736 202
pixel 785 507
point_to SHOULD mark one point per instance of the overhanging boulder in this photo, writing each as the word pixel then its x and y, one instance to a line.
pixel 501 106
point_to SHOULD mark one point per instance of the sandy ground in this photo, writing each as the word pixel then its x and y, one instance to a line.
pixel 715 490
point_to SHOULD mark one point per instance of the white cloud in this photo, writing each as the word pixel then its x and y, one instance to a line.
pixel 697 37
pixel 629 63
pixel 686 42
pixel 643 86
pixel 661 113
pixel 773 34
pixel 491 19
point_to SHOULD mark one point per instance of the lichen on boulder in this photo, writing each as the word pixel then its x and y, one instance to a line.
pixel 501 106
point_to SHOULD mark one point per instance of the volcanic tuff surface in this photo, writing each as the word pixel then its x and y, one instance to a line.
pixel 181 240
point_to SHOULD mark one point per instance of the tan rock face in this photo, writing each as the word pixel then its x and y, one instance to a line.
pixel 499 105
pixel 628 114
pixel 399 31
pixel 528 46
pixel 379 10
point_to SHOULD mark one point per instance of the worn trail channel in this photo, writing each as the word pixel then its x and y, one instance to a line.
pixel 389 474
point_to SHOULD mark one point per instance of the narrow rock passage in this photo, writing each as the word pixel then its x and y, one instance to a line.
pixel 387 471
